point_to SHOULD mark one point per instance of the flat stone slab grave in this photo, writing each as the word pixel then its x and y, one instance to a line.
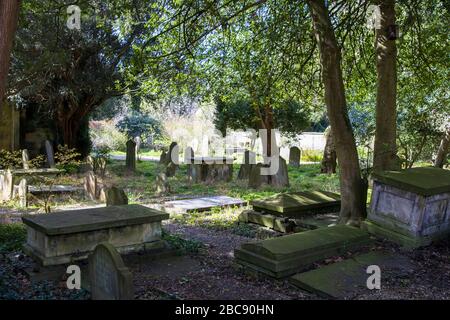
pixel 298 204
pixel 55 189
pixel 63 237
pixel 202 204
pixel 284 256
pixel 345 279
pixel 412 206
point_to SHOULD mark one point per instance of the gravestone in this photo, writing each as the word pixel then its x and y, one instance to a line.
pixel 50 154
pixel 163 158
pixel 68 236
pixel 281 178
pixel 172 159
pixel 22 192
pixel 202 204
pixel 130 161
pixel 25 159
pixel 255 179
pixel 411 206
pixel 298 204
pixel 294 156
pixel 109 278
pixel 7 185
pixel 90 185
pixel 162 184
pixel 284 256
pixel 246 166
pixel 115 197
pixel 189 160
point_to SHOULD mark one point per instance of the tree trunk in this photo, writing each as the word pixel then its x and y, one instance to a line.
pixel 9 14
pixel 329 154
pixel 351 185
pixel 443 150
pixel 385 148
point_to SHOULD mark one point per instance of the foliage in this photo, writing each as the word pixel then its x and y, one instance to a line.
pixel 137 124
pixel 10 160
pixel 67 158
pixel 106 137
pixel 177 242
pixel 12 237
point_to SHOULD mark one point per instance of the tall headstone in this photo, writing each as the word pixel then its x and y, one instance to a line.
pixel 23 191
pixel 115 197
pixel 130 161
pixel 109 278
pixel 6 184
pixel 50 154
pixel 189 161
pixel 172 159
pixel 90 185
pixel 25 159
pixel 246 166
pixel 294 156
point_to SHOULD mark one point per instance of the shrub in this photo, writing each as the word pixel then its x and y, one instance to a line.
pixel 12 237
pixel 312 155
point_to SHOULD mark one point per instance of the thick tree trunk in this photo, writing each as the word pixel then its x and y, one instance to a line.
pixel 443 150
pixel 385 149
pixel 9 13
pixel 329 154
pixel 351 184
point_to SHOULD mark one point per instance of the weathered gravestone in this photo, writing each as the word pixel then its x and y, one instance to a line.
pixel 25 159
pixel 109 278
pixel 50 154
pixel 172 159
pixel 115 196
pixel 162 184
pixel 298 204
pixel 6 185
pixel 22 192
pixel 189 160
pixel 130 161
pixel 90 185
pixel 163 158
pixel 246 166
pixel 284 256
pixel 69 236
pixel 279 179
pixel 412 206
pixel 294 156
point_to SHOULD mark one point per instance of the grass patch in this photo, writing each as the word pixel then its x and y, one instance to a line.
pixel 177 242
pixel 12 237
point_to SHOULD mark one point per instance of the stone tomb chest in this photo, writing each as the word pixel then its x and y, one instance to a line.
pixel 63 237
pixel 297 204
pixel 412 206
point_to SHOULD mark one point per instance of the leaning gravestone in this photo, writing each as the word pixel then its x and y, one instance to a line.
pixel 246 166
pixel 256 179
pixel 172 159
pixel 109 278
pixel 279 179
pixel 162 184
pixel 130 161
pixel 50 154
pixel 90 185
pixel 25 159
pixel 115 197
pixel 294 156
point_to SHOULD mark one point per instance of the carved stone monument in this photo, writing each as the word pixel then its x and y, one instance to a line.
pixel 109 278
